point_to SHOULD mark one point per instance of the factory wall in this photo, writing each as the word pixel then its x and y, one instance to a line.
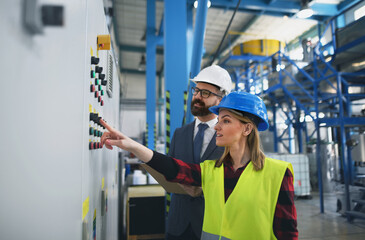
pixel 52 185
pixel 133 106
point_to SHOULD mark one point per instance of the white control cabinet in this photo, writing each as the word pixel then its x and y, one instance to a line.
pixel 52 185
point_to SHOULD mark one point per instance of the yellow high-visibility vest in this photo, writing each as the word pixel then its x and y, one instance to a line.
pixel 249 210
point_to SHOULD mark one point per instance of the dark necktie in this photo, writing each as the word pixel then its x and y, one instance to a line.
pixel 198 141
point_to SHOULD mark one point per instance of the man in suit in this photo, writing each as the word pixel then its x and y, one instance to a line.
pixel 194 143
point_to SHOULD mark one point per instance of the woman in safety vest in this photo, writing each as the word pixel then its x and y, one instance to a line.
pixel 247 196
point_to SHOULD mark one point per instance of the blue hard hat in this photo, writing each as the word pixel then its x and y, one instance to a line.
pixel 246 103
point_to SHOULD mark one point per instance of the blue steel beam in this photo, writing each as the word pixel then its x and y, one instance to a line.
pixel 151 73
pixel 275 8
pixel 175 58
pixel 197 51
pixel 132 71
pixel 132 48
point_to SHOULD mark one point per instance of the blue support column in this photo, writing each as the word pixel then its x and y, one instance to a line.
pixel 151 72
pixel 275 130
pixel 290 133
pixel 190 43
pixel 344 156
pixel 175 58
pixel 299 132
pixel 318 145
pixel 200 22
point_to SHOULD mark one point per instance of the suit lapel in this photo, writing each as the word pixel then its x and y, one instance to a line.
pixel 189 141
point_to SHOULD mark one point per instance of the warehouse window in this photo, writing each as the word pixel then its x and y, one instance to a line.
pixel 359 13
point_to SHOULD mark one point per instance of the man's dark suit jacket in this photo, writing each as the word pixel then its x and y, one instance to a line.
pixel 185 209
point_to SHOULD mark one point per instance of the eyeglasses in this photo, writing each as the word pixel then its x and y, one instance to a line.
pixel 203 92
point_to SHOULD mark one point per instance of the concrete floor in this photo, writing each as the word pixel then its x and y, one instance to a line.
pixel 327 226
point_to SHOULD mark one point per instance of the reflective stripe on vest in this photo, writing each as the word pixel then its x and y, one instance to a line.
pixel 210 236
pixel 249 210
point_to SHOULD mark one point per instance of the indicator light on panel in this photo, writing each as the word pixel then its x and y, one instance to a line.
pixel 99 88
pixel 94 60
pixel 103 42
pixel 102 103
pixel 91 131
pixel 91 146
pixel 97 81
pixel 92 88
pixel 96 94
pixel 102 92
pixel 99 99
pixel 92 74
pixel 98 69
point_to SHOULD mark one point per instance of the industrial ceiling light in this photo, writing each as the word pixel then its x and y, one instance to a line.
pixel 305 11
pixel 196 4
pixel 142 63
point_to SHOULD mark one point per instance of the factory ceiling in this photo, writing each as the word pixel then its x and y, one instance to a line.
pixel 254 19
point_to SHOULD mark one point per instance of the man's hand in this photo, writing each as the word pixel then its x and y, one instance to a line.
pixel 192 190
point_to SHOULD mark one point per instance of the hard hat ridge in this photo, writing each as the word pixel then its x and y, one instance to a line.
pixel 246 103
pixel 217 76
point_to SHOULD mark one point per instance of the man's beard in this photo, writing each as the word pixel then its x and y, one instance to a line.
pixel 201 111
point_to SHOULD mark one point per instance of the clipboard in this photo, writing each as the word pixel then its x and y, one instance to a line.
pixel 170 187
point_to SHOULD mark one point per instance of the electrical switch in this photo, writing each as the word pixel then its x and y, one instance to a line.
pixel 98 69
pixel 101 76
pixel 92 74
pixel 104 82
pixel 97 121
pixel 94 60
pixel 93 116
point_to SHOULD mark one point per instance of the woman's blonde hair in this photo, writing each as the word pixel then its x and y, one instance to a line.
pixel 253 141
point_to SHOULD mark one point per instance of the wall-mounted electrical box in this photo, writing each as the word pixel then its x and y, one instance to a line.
pixel 103 42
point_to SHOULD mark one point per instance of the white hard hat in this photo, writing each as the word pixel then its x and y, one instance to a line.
pixel 217 76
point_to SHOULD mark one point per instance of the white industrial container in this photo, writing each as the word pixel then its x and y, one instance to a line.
pixel 301 171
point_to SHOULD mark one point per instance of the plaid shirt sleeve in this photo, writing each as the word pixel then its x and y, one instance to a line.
pixel 285 218
pixel 189 173
pixel 176 170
